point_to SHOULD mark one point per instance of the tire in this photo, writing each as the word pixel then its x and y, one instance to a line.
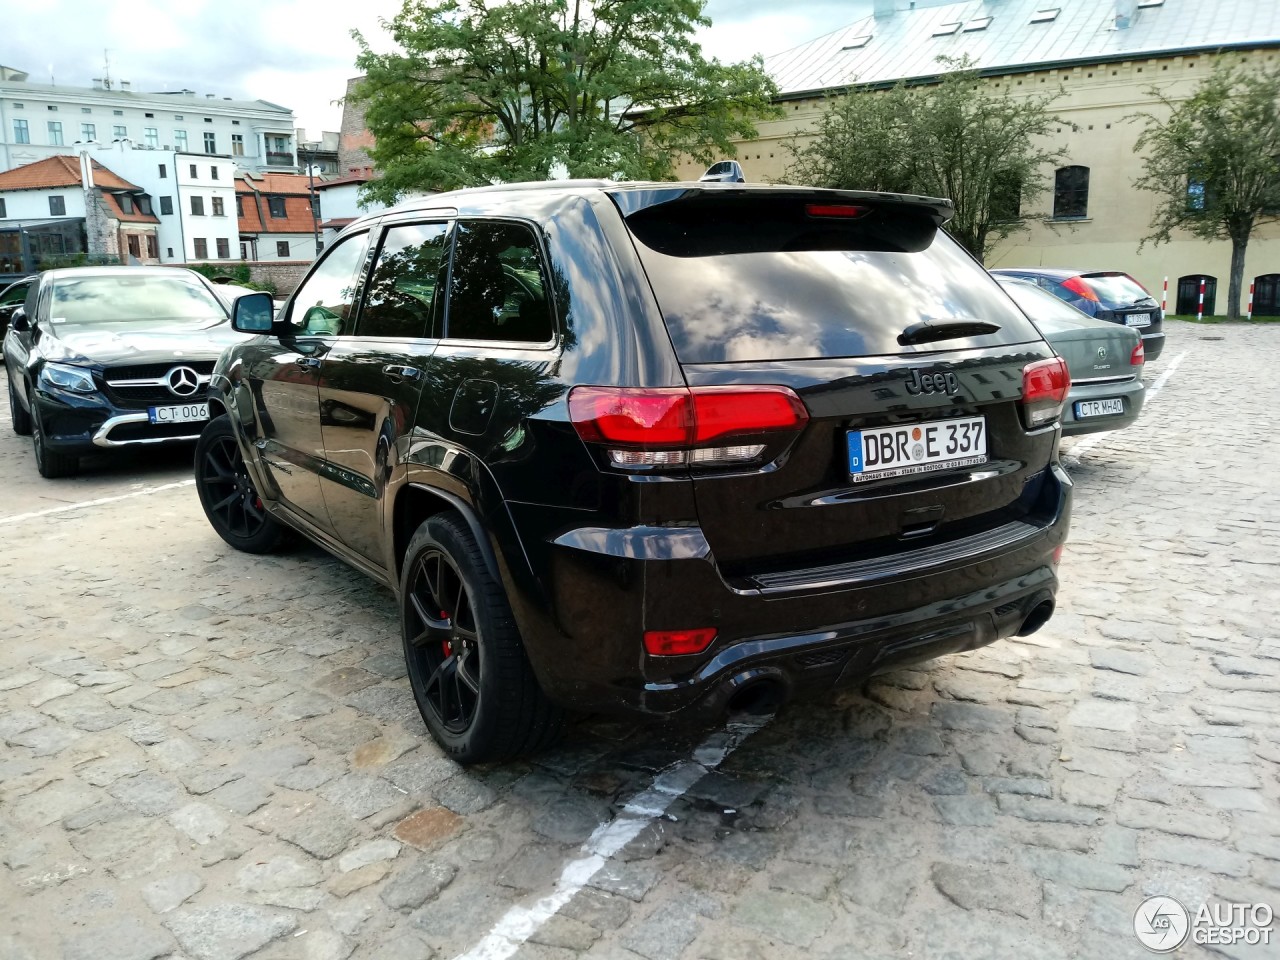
pixel 19 418
pixel 231 504
pixel 470 677
pixel 51 463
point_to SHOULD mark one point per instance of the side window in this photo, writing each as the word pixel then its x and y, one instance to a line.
pixel 496 289
pixel 402 285
pixel 323 304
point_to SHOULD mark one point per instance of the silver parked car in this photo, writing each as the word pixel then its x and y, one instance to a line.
pixel 1105 360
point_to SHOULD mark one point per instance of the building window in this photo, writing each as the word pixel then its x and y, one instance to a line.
pixel 276 206
pixel 118 113
pixel 279 152
pixel 51 108
pixel 57 206
pixel 282 248
pixel 237 144
pixel 144 204
pixel 164 172
pixel 3 213
pixel 152 137
pixel 86 110
pixel 244 250
pixel 224 248
pixel 239 205
pixel 55 133
pixel 126 202
pixel 119 132
pixel 213 173
pixel 218 211
pixel 210 142
pixel 180 140
pixel 135 248
pixel 194 175
pixel 170 252
pixel 201 248
pixel 153 248
pixel 148 115
pixel 178 116
pixel 20 132
pixel 166 206
pixel 88 131
pixel 197 206
pixel 1071 193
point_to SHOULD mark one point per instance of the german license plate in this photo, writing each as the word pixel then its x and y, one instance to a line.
pixel 1137 320
pixel 919 448
pixel 182 413
pixel 1099 408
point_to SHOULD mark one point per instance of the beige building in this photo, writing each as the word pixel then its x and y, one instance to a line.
pixel 1105 55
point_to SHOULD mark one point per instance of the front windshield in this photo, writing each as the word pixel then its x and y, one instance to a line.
pixel 124 298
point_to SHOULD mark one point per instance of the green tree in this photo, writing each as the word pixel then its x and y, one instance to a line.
pixel 481 91
pixel 1214 163
pixel 958 138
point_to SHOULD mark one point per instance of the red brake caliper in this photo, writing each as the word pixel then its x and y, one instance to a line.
pixel 448 650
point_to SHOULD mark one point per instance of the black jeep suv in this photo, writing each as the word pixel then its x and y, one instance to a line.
pixel 660 448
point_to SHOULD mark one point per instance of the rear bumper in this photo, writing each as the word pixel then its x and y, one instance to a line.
pixel 1131 392
pixel 608 587
pixel 1152 344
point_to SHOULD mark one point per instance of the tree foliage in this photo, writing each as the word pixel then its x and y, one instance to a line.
pixel 958 138
pixel 481 91
pixel 1214 163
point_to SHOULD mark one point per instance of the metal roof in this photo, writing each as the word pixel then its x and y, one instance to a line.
pixel 1018 35
pixel 180 102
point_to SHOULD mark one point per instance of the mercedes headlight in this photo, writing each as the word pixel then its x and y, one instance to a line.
pixel 64 377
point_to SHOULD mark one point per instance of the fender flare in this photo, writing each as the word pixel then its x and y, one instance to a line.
pixel 468 514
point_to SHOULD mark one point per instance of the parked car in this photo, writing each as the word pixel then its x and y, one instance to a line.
pixel 726 171
pixel 12 297
pixel 654 448
pixel 1105 360
pixel 112 357
pixel 1106 295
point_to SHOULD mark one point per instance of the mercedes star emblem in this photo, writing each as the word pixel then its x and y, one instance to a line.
pixel 182 381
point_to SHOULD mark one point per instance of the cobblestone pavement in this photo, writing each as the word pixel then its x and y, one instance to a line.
pixel 209 755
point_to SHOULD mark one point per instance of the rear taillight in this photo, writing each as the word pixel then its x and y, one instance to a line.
pixel 670 427
pixel 1078 286
pixel 678 643
pixel 847 211
pixel 1139 356
pixel 1044 388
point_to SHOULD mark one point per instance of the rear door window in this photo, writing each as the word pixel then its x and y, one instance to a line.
pixel 1115 290
pixel 497 288
pixel 761 278
pixel 401 293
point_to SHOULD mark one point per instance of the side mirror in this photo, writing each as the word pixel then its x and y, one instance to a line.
pixel 18 321
pixel 254 313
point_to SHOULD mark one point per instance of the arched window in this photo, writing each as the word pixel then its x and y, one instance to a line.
pixel 1188 304
pixel 1266 295
pixel 1071 193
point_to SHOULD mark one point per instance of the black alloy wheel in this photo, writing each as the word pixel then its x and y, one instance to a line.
pixel 230 500
pixel 50 463
pixel 19 418
pixel 473 684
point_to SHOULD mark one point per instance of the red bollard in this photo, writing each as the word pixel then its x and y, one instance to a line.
pixel 1250 316
pixel 1164 298
pixel 1200 311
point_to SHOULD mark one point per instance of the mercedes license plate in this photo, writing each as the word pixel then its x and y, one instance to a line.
pixel 919 448
pixel 1099 408
pixel 181 413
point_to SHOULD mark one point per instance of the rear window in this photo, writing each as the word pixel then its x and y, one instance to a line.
pixel 758 278
pixel 1115 290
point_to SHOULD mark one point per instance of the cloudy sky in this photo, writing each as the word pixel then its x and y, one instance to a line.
pixel 295 53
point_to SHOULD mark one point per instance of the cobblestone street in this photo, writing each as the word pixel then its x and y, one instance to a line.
pixel 209 755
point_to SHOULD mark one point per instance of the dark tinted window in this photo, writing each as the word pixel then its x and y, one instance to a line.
pixel 496 289
pixel 1041 306
pixel 117 298
pixel 403 283
pixel 1071 192
pixel 739 283
pixel 322 305
pixel 15 294
pixel 1115 290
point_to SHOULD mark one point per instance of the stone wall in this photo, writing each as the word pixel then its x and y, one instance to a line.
pixel 285 275
pixel 354 138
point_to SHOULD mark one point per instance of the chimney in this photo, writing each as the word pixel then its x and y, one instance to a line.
pixel 1125 10
pixel 211 96
pixel 884 9
pixel 125 84
pixel 97 84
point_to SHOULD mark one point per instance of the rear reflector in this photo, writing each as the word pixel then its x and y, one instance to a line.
pixel 1057 554
pixel 678 426
pixel 847 211
pixel 1079 286
pixel 1044 388
pixel 677 643
pixel 1138 356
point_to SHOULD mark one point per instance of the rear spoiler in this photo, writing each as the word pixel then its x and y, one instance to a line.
pixel 632 198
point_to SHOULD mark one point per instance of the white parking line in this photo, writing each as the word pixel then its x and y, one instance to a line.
pixel 520 923
pixel 1084 446
pixel 147 491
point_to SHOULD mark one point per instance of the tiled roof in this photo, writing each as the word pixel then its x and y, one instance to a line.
pixel 343 181
pixel 117 211
pixel 337 223
pixel 1000 36
pixel 60 171
pixel 278 183
pixel 297 206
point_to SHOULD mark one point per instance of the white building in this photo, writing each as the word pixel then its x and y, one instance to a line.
pixel 40 120
pixel 340 204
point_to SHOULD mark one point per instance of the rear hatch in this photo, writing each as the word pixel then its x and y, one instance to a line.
pixel 1122 299
pixel 877 320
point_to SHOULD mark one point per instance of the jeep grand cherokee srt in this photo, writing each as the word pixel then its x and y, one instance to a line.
pixel 655 447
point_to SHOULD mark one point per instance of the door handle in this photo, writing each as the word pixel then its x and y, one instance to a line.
pixel 398 373
pixel 309 362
